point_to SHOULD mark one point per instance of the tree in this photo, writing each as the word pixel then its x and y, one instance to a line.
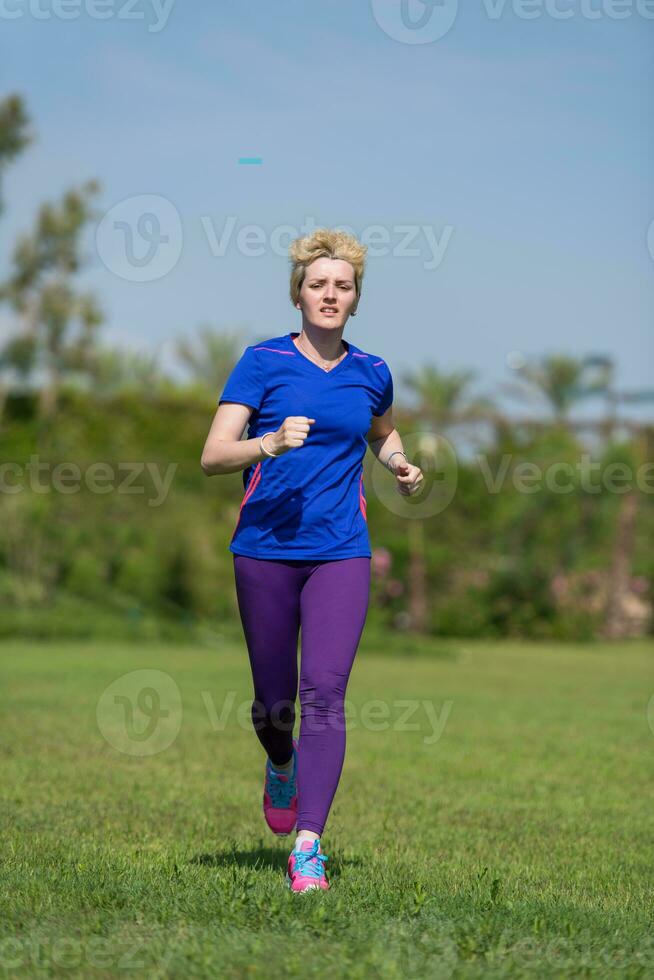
pixel 15 133
pixel 210 356
pixel 444 401
pixel 619 596
pixel 444 398
pixel 113 370
pixel 59 325
pixel 605 366
pixel 559 381
pixel 563 381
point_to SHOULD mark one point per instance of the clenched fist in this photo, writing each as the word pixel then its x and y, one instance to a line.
pixel 290 435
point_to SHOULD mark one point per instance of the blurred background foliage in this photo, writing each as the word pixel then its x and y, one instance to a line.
pixel 512 563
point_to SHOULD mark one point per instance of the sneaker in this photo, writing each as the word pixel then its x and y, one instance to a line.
pixel 280 798
pixel 306 867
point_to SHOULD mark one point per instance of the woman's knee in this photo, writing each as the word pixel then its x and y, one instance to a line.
pixel 327 687
pixel 279 714
pixel 322 706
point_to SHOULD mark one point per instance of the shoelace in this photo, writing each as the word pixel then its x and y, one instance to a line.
pixel 311 863
pixel 281 792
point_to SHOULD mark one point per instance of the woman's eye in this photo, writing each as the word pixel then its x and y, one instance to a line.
pixel 316 285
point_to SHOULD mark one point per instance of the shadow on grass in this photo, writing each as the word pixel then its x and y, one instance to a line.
pixel 257 857
pixel 263 857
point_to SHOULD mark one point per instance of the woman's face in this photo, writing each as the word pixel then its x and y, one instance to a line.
pixel 328 286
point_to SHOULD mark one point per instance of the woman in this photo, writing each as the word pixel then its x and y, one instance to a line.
pixel 313 402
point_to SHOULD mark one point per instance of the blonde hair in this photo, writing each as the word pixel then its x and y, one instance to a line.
pixel 330 244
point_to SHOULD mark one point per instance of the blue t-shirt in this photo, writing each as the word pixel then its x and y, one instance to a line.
pixel 310 502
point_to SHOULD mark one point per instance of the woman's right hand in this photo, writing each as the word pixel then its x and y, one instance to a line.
pixel 290 435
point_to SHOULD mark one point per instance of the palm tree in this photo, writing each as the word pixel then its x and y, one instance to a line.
pixel 563 381
pixel 605 367
pixel 558 381
pixel 210 355
pixel 444 398
pixel 616 624
pixel 444 402
pixel 619 596
pixel 114 370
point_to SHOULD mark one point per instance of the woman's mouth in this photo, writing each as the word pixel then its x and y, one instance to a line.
pixel 328 310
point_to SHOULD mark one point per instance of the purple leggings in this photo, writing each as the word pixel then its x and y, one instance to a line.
pixel 329 600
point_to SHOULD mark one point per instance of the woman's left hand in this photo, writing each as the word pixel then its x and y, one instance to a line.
pixel 409 478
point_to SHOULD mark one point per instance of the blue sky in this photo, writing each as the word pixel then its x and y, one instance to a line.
pixel 521 148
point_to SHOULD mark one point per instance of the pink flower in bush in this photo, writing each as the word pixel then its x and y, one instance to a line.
pixel 394 588
pixel 381 562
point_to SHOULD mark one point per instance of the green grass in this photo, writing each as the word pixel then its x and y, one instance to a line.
pixel 516 844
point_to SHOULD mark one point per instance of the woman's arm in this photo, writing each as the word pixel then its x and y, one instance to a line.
pixel 384 439
pixel 225 451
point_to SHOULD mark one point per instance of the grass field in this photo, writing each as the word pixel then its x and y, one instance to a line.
pixel 508 833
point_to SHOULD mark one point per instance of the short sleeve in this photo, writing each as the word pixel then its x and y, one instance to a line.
pixel 245 383
pixel 386 395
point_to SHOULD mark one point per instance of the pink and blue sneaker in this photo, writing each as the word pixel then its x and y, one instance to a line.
pixel 306 867
pixel 280 798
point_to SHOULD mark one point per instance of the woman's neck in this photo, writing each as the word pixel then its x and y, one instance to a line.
pixel 326 344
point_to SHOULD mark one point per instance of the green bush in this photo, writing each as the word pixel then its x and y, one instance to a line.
pixel 490 557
